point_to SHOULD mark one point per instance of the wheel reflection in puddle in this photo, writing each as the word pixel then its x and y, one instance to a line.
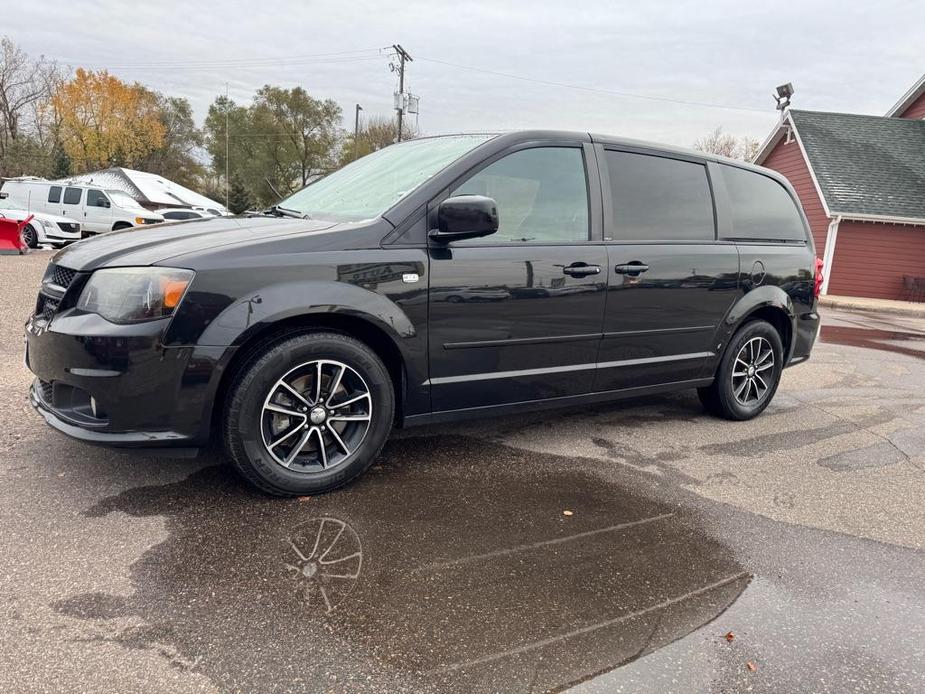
pixel 324 558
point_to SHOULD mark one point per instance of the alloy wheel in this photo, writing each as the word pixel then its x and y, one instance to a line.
pixel 29 236
pixel 752 371
pixel 316 416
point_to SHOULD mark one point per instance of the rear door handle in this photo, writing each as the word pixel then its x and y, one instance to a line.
pixel 581 270
pixel 633 268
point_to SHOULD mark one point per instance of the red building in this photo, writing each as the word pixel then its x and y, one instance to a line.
pixel 861 180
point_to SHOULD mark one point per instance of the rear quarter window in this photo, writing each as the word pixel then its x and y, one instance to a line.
pixel 762 209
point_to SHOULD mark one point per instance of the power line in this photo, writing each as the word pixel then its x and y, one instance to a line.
pixel 364 55
pixel 611 92
pixel 241 66
pixel 230 62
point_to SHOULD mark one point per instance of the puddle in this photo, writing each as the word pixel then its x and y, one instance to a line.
pixel 911 344
pixel 449 566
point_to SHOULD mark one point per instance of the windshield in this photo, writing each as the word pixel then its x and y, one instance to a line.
pixel 120 199
pixel 369 186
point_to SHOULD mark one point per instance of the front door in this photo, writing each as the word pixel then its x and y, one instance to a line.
pixel 516 316
pixel 97 211
pixel 671 282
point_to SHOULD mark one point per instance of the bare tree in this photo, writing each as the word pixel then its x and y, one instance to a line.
pixel 27 128
pixel 727 145
pixel 22 84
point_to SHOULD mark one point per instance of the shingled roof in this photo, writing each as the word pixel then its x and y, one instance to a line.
pixel 866 165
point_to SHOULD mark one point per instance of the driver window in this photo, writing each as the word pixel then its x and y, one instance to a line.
pixel 542 196
pixel 95 198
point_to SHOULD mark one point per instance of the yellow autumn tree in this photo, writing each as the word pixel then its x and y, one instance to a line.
pixel 105 121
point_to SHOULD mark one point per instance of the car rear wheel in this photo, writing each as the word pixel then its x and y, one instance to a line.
pixel 30 237
pixel 748 373
pixel 308 414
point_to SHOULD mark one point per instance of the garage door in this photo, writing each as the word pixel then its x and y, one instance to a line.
pixel 871 259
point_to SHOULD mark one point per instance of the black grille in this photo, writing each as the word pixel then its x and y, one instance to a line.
pixel 47 390
pixel 69 226
pixel 48 307
pixel 63 276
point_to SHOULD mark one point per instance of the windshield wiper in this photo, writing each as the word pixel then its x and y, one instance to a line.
pixel 278 211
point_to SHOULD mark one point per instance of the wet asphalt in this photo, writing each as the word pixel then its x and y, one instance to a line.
pixel 640 546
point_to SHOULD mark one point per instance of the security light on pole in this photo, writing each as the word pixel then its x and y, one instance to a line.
pixel 784 92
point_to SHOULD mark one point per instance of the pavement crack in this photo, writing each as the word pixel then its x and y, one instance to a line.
pixel 536 545
pixel 859 427
pixel 527 647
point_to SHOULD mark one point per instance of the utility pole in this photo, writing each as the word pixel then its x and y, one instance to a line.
pixel 400 107
pixel 227 149
pixel 356 133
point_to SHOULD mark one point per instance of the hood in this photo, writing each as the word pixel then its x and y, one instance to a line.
pixel 148 245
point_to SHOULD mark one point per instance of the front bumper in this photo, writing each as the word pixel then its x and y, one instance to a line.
pixel 79 430
pixel 57 237
pixel 118 384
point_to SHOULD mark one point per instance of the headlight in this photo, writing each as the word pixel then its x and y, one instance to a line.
pixel 134 294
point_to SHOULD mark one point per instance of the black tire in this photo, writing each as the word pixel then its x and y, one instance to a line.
pixel 245 428
pixel 30 237
pixel 119 226
pixel 724 397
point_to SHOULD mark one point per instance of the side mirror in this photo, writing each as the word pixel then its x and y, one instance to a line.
pixel 465 217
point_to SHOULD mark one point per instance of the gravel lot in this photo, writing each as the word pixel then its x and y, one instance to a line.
pixel 452 565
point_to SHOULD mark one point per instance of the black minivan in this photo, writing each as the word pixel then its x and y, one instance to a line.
pixel 436 279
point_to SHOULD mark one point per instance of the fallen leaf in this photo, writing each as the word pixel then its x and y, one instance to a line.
pixel 729 636
pixel 305 498
pixel 568 513
pixel 751 665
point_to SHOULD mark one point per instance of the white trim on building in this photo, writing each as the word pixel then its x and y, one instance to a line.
pixel 906 100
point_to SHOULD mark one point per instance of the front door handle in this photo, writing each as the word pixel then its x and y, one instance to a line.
pixel 634 268
pixel 581 270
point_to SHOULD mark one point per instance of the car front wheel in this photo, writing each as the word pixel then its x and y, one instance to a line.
pixel 308 414
pixel 748 373
pixel 30 237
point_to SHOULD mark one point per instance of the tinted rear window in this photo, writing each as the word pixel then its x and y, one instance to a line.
pixel 659 199
pixel 54 194
pixel 72 196
pixel 762 209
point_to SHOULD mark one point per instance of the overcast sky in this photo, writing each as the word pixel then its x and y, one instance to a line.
pixel 845 56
